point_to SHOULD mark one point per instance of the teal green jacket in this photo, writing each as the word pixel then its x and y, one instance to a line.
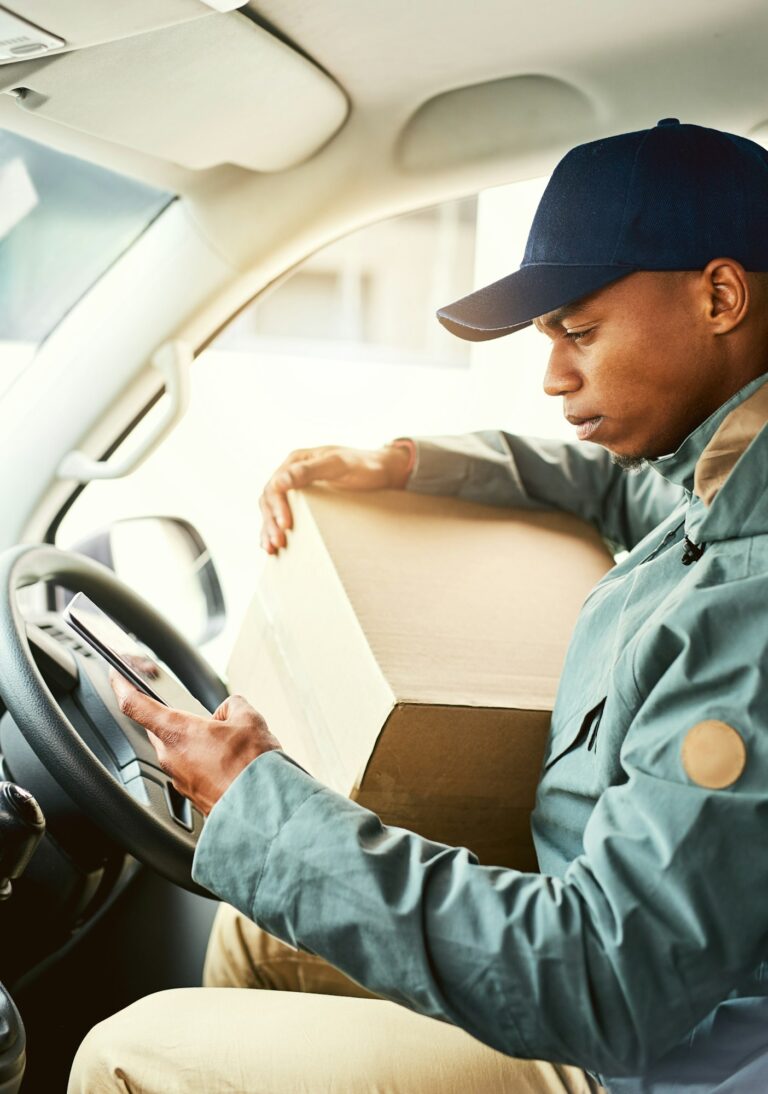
pixel 637 952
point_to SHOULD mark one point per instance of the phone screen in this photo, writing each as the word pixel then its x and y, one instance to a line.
pixel 125 654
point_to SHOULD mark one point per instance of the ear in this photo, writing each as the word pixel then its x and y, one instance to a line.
pixel 726 286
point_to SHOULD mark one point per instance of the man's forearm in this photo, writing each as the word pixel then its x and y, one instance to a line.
pixel 497 468
pixel 504 955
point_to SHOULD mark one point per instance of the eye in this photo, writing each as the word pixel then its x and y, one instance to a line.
pixel 577 335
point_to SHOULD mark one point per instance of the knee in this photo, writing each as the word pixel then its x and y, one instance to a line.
pixel 130 1051
pixel 98 1064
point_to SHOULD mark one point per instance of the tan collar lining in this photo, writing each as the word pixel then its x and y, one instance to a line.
pixel 732 438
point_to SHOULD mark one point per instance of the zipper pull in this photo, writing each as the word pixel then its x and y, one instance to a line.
pixel 692 552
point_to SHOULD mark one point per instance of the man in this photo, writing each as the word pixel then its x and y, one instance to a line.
pixel 636 956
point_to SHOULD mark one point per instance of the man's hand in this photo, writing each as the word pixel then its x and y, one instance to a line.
pixel 384 468
pixel 201 755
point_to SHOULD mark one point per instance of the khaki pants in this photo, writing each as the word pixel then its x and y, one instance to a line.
pixel 313 1032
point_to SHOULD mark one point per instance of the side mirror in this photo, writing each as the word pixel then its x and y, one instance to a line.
pixel 166 560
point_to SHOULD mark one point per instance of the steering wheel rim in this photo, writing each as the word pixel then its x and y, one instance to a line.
pixel 165 847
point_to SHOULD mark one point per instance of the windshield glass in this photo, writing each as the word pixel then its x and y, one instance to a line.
pixel 63 222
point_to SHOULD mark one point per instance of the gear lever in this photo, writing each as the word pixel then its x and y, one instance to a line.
pixel 21 827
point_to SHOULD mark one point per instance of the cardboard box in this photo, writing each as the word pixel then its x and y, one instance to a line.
pixel 406 651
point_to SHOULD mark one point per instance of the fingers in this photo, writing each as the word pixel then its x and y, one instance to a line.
pixel 325 467
pixel 154 716
pixel 347 468
pixel 303 467
pixel 275 510
pixel 273 536
pixel 200 759
pixel 275 494
pixel 144 666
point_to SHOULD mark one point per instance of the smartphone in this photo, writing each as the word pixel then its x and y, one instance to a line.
pixel 123 652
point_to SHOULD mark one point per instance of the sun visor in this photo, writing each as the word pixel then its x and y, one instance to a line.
pixel 78 23
pixel 216 90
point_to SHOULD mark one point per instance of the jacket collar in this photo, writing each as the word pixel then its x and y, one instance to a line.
pixel 723 465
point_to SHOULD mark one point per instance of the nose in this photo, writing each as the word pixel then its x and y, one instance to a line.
pixel 561 377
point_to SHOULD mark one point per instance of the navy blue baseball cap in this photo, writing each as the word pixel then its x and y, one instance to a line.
pixel 668 198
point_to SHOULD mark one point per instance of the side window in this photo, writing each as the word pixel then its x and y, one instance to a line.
pixel 372 296
pixel 347 350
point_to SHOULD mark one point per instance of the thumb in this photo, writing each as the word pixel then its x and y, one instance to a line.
pixel 138 706
pixel 231 707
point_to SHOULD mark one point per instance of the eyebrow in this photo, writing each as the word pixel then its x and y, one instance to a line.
pixel 555 318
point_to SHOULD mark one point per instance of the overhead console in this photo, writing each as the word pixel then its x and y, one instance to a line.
pixel 173 79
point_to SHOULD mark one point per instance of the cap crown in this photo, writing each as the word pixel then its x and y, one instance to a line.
pixel 668 198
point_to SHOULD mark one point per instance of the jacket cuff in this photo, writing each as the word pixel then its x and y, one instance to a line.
pixel 437 469
pixel 237 836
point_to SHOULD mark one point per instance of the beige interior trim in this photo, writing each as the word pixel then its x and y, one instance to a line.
pixel 262 224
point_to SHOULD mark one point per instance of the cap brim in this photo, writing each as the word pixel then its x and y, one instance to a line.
pixel 515 301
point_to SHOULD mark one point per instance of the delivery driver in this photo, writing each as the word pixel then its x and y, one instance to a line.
pixel 635 960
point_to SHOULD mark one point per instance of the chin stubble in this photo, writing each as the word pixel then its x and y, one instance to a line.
pixel 629 463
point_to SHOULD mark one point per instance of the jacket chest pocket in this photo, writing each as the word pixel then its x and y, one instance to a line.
pixel 582 733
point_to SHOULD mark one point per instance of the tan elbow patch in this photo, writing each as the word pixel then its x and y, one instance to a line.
pixel 714 755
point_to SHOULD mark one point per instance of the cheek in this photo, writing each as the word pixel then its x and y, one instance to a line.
pixel 617 373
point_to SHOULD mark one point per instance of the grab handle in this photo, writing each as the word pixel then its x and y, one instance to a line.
pixel 173 361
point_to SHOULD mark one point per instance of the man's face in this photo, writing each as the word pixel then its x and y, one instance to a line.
pixel 635 363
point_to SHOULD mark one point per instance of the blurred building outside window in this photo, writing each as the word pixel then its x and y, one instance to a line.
pixel 371 295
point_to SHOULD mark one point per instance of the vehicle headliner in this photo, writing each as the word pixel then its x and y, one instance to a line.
pixel 558 72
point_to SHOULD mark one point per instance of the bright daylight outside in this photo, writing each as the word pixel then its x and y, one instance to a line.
pixel 63 222
pixel 347 350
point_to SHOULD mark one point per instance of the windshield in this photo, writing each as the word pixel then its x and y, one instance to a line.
pixel 63 222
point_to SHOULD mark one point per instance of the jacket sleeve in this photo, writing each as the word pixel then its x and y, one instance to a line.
pixel 499 468
pixel 657 921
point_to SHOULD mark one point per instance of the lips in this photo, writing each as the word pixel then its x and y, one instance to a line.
pixel 585 427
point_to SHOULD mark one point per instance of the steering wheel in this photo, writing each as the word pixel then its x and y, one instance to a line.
pixel 105 764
